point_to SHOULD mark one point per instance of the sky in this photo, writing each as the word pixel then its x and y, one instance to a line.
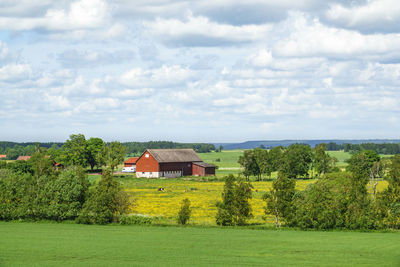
pixel 199 71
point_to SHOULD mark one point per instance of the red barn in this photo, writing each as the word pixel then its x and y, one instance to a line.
pixel 171 163
pixel 3 157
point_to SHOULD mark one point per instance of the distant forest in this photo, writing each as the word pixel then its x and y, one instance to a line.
pixel 139 147
pixel 14 149
pixel 386 148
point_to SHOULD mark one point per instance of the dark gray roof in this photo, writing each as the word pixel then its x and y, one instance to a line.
pixel 174 155
pixel 203 164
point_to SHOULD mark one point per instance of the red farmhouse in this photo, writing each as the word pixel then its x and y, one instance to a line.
pixel 172 163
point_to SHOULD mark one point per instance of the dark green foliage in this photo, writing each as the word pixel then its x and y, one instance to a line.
pixel 184 212
pixel 280 199
pixel 234 209
pixel 106 202
pixel 3 164
pixel 15 195
pixel 249 164
pixel 41 165
pixel 20 166
pixel 323 205
pixel 75 151
pixel 25 196
pixel 69 192
pixel 332 202
pixel 296 161
pixel 94 148
pixel 138 148
pixel 134 220
pixel 388 202
pixel 323 162
pixel 113 154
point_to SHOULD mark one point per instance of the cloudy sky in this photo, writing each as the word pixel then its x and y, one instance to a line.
pixel 199 71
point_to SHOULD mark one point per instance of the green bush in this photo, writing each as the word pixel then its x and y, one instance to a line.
pixel 135 220
pixel 106 202
pixel 184 212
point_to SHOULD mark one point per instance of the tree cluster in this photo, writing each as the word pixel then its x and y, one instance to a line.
pixel 295 161
pixel 341 199
pixel 35 190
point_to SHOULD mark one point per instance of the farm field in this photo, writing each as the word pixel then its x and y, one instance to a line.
pixel 203 195
pixel 52 244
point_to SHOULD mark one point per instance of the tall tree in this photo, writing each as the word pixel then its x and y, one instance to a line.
pixel 280 198
pixel 263 160
pixel 296 160
pixel 106 202
pixel 249 164
pixel 94 147
pixel 75 151
pixel 234 209
pixel 358 213
pixel 389 199
pixel 40 162
pixel 323 162
pixel 114 154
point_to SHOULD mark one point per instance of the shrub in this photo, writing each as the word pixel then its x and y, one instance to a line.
pixel 106 202
pixel 135 219
pixel 184 212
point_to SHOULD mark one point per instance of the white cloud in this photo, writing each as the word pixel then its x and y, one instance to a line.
pixel 164 76
pixel 200 31
pixel 374 15
pixel 15 72
pixel 82 14
pixel 312 38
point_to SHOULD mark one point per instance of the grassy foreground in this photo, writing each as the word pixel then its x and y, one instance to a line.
pixel 51 244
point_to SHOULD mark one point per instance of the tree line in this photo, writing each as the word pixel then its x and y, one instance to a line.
pixel 337 200
pixel 385 148
pixel 297 160
pixel 341 199
pixel 13 150
pixel 137 148
pixel 35 190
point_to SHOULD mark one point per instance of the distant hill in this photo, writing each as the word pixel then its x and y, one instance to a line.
pixel 312 143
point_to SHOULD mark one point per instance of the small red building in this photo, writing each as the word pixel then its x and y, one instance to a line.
pixel 172 163
pixel 130 162
pixel 26 158
pixel 3 157
pixel 130 165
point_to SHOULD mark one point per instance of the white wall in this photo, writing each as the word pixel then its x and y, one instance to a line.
pixel 148 174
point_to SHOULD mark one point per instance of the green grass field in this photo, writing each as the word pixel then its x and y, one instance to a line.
pixel 52 244
pixel 228 158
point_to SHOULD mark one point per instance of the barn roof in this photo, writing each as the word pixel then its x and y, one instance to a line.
pixel 131 160
pixel 3 156
pixel 174 155
pixel 26 158
pixel 203 164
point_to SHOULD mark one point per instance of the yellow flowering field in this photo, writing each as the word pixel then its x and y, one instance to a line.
pixel 202 194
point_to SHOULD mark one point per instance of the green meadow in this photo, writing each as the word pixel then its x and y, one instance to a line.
pixel 52 244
